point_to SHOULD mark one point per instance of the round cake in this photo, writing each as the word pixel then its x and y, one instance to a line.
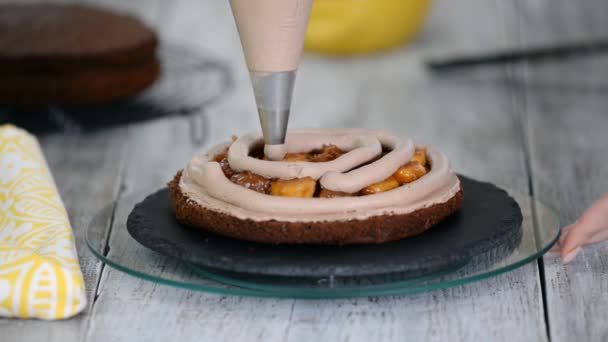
pixel 67 54
pixel 333 186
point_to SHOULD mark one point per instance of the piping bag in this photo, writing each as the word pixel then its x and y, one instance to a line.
pixel 272 35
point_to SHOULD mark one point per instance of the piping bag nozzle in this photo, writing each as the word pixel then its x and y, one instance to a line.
pixel 273 92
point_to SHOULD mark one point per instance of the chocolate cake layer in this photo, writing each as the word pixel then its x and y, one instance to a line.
pixel 375 229
pixel 66 54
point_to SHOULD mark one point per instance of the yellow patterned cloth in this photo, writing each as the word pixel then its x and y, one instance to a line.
pixel 39 272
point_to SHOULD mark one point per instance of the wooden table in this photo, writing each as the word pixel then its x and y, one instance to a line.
pixel 540 128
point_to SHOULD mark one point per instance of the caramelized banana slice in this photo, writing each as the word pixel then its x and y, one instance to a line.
pixel 332 194
pixel 304 187
pixel 409 172
pixel 252 181
pixel 296 157
pixel 329 153
pixel 420 156
pixel 386 185
pixel 222 159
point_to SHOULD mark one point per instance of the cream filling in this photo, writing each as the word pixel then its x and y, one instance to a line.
pixel 204 182
pixel 363 146
pixel 275 152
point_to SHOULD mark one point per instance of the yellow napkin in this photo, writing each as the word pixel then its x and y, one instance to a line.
pixel 39 272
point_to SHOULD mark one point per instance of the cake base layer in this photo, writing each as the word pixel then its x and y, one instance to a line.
pixel 373 230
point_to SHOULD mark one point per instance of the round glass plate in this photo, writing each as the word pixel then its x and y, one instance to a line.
pixel 108 239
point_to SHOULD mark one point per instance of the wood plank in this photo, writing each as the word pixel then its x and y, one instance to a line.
pixel 471 121
pixel 87 169
pixel 566 106
pixel 162 310
pixel 568 139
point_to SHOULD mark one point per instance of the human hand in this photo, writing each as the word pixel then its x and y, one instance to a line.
pixel 591 227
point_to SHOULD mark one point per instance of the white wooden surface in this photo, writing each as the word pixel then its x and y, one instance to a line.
pixel 374 95
pixel 566 109
pixel 496 123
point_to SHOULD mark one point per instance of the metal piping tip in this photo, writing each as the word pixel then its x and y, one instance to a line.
pixel 273 92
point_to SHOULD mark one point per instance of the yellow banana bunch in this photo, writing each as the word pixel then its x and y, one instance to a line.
pixel 343 27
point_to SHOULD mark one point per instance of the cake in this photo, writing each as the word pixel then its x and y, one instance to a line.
pixel 333 186
pixel 68 54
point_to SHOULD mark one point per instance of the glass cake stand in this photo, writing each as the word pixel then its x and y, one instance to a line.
pixel 108 239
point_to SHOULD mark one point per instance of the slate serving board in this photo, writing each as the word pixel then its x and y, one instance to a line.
pixel 489 219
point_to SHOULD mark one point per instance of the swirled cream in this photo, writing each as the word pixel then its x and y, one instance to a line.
pixel 204 182
pixel 275 152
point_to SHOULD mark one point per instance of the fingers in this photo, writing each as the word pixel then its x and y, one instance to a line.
pixel 592 227
pixel 572 241
pixel 557 247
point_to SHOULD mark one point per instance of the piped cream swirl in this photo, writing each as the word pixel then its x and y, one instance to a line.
pixel 204 182
pixel 363 146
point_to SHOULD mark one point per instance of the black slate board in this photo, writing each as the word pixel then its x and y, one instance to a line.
pixel 489 219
